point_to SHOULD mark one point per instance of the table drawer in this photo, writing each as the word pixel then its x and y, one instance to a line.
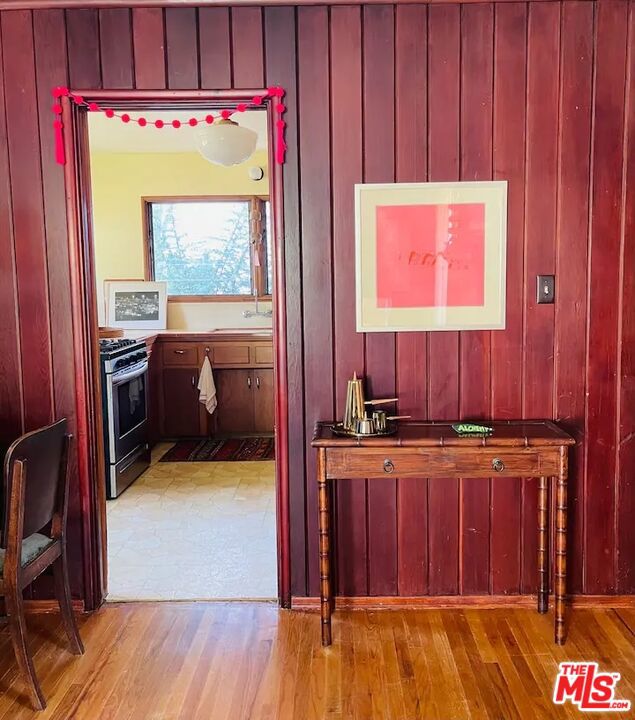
pixel 440 462
pixel 175 353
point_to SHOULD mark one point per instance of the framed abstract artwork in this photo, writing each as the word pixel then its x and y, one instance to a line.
pixel 430 256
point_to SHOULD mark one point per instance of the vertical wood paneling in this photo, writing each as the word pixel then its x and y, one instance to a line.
pixel 51 70
pixel 214 39
pixel 148 37
pixel 572 257
pixel 379 166
pixel 28 217
pixel 315 201
pixel 181 38
pixel 477 51
pixel 82 37
pixel 540 230
pixel 444 32
pixel 405 93
pixel 280 37
pixel 346 168
pixel 626 459
pixel 510 58
pixel 247 47
pixel 411 166
pixel 11 402
pixel 606 220
pixel 115 42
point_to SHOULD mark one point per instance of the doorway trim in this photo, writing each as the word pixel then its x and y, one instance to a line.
pixel 86 338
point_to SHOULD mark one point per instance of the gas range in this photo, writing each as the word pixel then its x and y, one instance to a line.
pixel 124 364
pixel 116 355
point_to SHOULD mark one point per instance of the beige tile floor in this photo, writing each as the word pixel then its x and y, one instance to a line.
pixel 194 531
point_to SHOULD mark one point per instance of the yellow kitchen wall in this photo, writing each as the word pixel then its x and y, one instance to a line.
pixel 120 180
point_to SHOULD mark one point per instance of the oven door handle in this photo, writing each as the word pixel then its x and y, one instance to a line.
pixel 136 372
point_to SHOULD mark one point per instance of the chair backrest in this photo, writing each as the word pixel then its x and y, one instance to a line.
pixel 44 453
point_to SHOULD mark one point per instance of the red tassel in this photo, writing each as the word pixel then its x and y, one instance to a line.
pixel 281 146
pixel 59 143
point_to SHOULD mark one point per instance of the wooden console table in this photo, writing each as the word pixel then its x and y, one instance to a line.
pixel 433 450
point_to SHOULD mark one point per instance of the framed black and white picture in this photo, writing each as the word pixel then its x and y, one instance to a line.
pixel 136 305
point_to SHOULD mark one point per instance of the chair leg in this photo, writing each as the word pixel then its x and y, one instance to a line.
pixel 63 593
pixel 17 626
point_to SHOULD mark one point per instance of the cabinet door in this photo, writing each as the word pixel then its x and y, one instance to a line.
pixel 235 395
pixel 181 408
pixel 263 401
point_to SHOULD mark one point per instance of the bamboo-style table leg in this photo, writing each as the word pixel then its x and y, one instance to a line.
pixel 543 546
pixel 561 548
pixel 324 545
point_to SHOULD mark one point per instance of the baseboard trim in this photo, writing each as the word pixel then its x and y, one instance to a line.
pixel 439 602
pixel 44 607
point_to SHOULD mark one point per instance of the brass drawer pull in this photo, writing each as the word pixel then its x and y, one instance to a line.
pixel 180 352
pixel 388 465
pixel 498 465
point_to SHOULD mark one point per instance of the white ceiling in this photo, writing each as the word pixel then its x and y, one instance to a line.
pixel 113 135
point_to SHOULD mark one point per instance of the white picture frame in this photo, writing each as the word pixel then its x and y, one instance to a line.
pixel 136 305
pixel 401 260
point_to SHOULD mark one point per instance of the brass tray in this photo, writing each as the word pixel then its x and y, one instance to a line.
pixel 339 429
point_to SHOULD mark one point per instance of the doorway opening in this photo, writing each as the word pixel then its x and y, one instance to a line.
pixel 191 407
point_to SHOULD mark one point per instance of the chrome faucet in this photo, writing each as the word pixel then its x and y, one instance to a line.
pixel 257 312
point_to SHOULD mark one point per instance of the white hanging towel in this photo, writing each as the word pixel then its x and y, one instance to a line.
pixel 206 387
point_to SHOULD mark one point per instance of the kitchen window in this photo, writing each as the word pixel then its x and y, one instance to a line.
pixel 209 248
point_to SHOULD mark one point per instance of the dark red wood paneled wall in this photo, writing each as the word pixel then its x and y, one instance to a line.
pixel 540 94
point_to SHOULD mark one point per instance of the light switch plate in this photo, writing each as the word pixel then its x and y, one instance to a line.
pixel 545 289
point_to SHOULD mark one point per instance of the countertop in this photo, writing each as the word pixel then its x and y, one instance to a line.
pixel 202 335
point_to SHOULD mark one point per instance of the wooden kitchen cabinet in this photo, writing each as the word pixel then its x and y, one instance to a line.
pixel 234 392
pixel 243 374
pixel 154 393
pixel 181 409
pixel 180 353
pixel 245 401
pixel 264 396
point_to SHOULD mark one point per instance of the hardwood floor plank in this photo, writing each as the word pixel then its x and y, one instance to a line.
pixel 239 661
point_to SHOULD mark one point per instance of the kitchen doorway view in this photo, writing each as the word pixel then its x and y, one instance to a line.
pixel 181 239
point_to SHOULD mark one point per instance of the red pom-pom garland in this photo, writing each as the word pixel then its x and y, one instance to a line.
pixel 257 101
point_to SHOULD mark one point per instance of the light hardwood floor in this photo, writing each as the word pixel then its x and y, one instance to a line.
pixel 217 661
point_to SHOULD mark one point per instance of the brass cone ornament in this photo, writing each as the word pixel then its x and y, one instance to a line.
pixel 355 402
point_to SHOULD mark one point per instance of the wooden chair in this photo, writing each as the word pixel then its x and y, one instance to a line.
pixel 33 535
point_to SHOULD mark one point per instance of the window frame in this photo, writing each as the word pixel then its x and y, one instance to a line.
pixel 258 243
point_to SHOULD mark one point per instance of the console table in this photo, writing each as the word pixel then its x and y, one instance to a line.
pixel 434 450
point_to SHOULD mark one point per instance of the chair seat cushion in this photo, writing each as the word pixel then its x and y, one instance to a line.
pixel 32 546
